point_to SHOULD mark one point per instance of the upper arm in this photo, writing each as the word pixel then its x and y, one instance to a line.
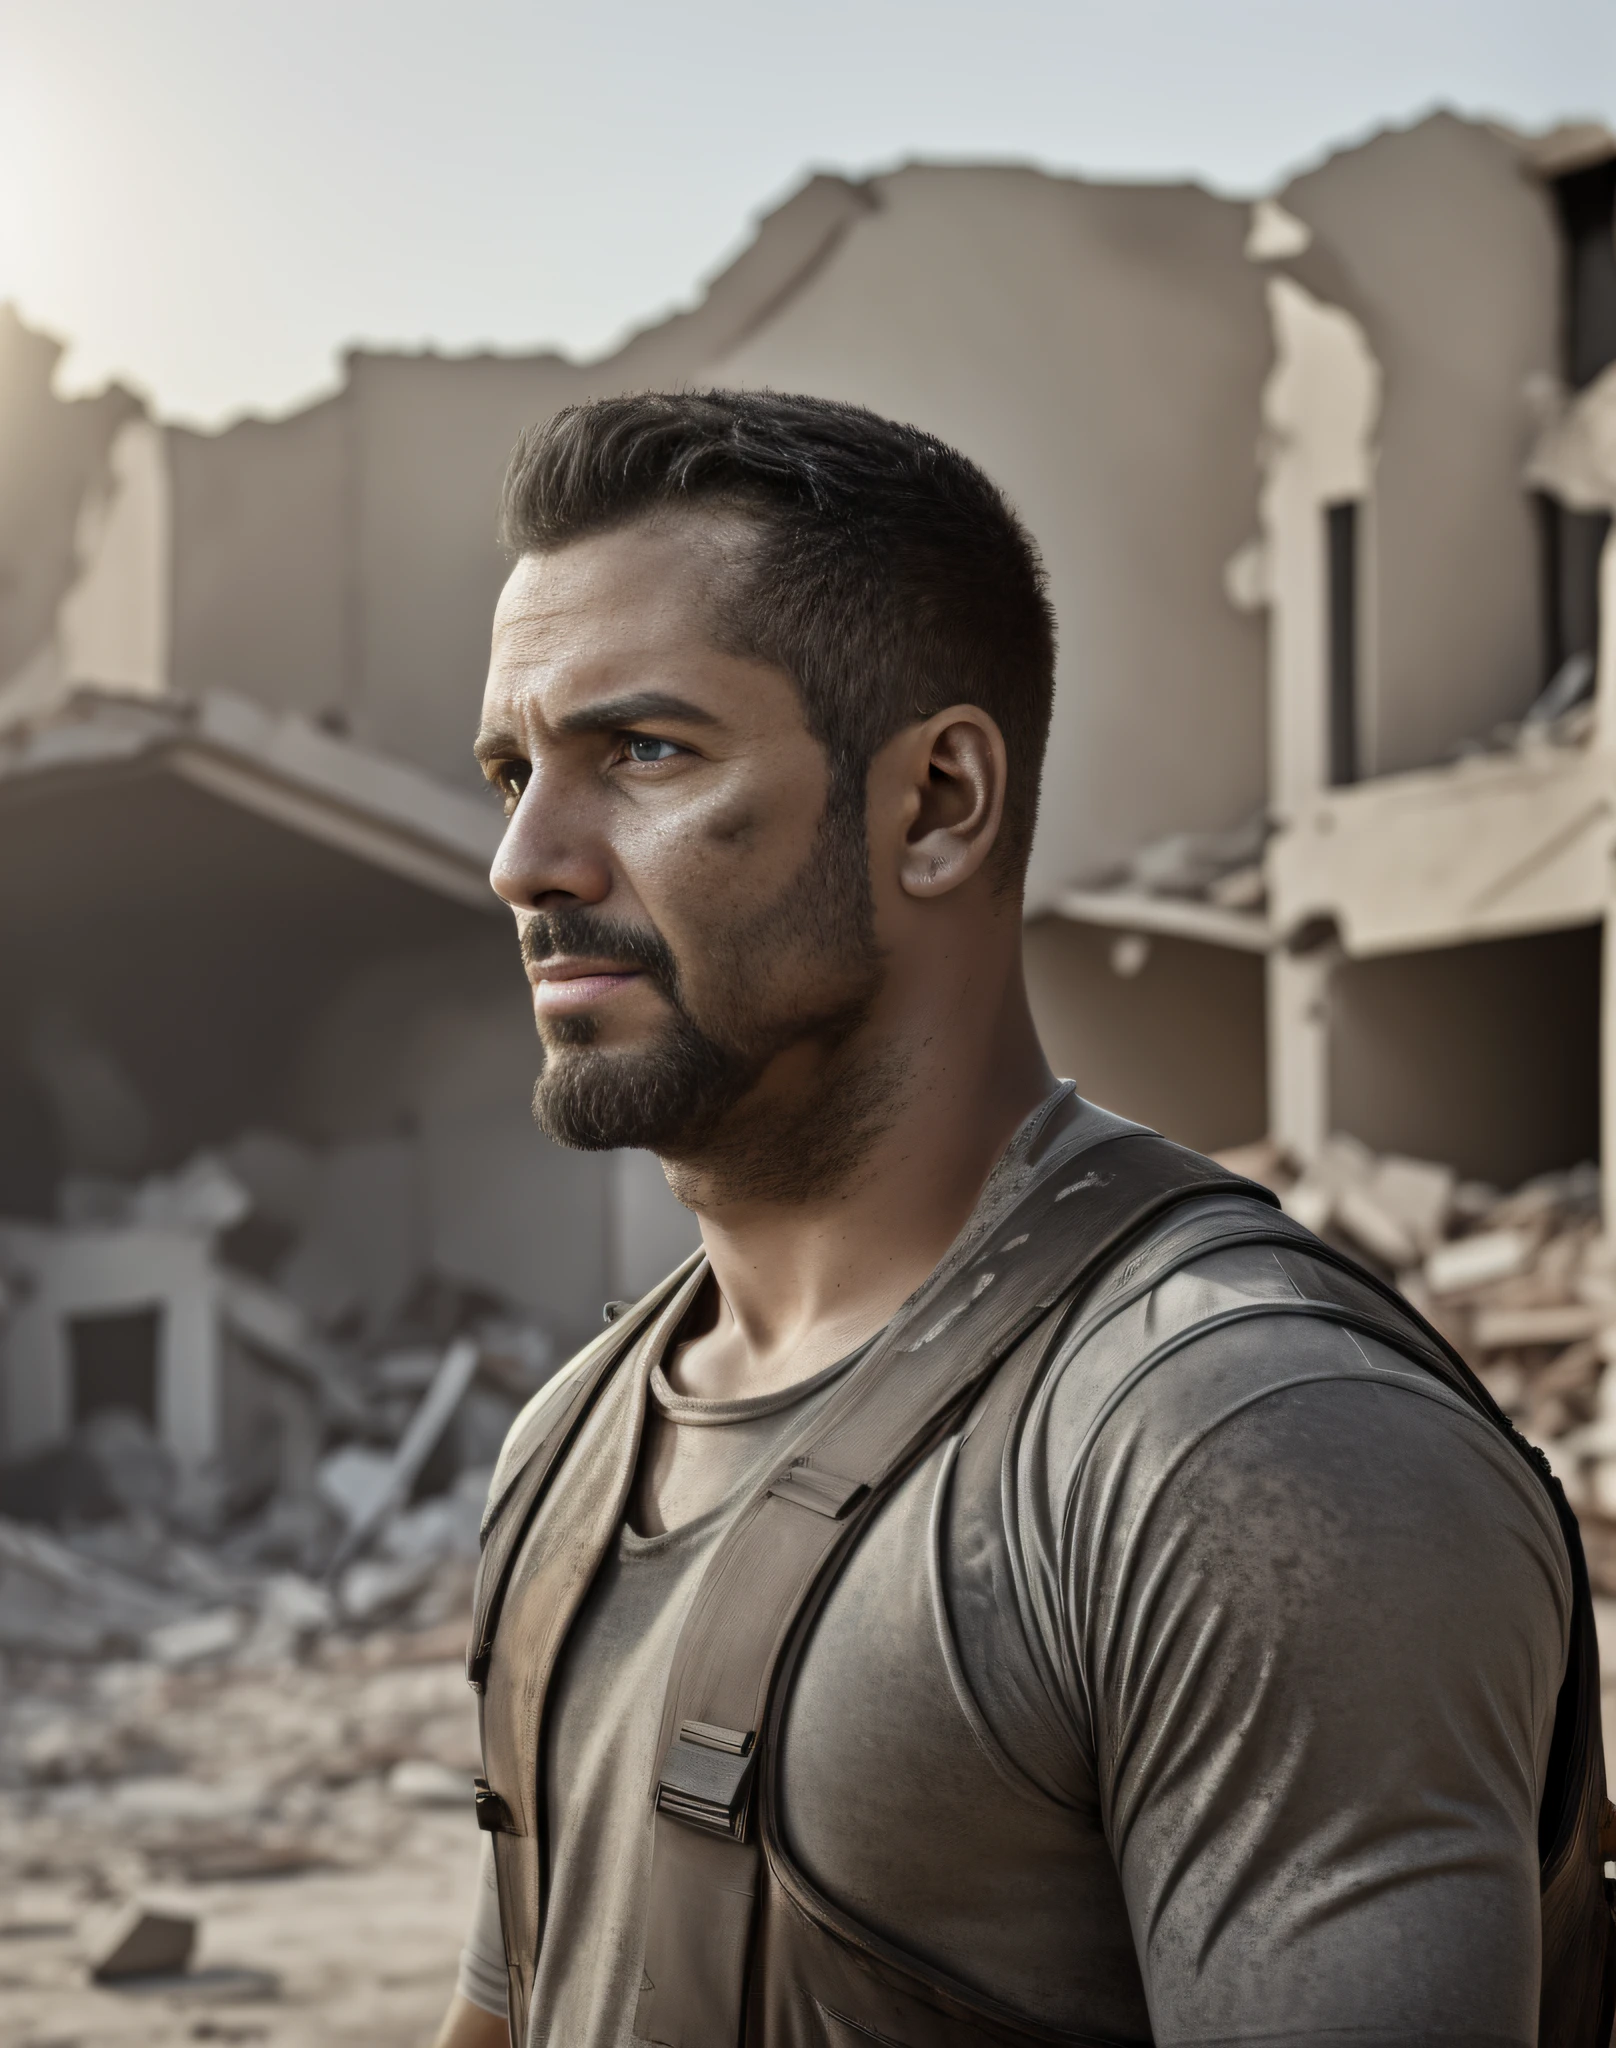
pixel 1323 1618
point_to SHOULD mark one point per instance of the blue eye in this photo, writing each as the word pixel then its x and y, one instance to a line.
pixel 645 750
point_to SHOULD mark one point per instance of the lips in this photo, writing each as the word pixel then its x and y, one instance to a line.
pixel 564 985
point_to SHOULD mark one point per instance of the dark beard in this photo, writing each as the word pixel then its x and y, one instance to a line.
pixel 672 1097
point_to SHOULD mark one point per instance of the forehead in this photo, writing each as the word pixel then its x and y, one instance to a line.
pixel 623 626
pixel 646 592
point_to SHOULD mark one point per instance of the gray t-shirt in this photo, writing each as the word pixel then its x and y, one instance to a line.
pixel 1212 1706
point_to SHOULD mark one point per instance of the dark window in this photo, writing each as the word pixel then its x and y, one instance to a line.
pixel 115 1363
pixel 1587 206
pixel 1571 541
pixel 1341 551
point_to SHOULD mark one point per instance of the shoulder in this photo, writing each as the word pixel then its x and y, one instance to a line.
pixel 548 1406
pixel 1224 1341
pixel 535 1421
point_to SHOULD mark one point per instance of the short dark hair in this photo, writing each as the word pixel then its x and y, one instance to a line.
pixel 891 577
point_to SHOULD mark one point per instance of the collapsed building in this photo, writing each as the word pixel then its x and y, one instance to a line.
pixel 1323 486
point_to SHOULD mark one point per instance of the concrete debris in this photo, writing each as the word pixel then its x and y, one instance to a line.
pixel 56 1604
pixel 380 1586
pixel 414 1781
pixel 197 1639
pixel 149 1945
pixel 356 1482
pixel 292 1610
pixel 261 1461
pixel 1218 867
pixel 1393 1208
pixel 168 1801
pixel 449 1386
pixel 1505 1329
pixel 204 1196
pixel 1575 455
pixel 1474 1261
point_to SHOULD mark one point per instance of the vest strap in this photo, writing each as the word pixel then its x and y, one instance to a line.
pixel 782 1547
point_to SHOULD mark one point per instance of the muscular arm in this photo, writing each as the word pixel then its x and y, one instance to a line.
pixel 1323 1622
pixel 467 2026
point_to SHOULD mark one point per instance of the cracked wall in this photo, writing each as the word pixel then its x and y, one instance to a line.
pixel 1438 240
pixel 54 453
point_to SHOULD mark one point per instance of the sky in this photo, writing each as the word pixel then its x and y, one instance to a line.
pixel 209 199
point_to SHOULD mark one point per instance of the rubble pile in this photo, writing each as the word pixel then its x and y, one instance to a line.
pixel 270 1445
pixel 1522 1284
pixel 221 1846
pixel 1563 715
pixel 1220 868
pixel 249 1433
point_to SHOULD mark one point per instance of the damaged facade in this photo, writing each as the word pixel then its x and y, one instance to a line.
pixel 1323 486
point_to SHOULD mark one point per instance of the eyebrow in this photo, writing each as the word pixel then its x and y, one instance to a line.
pixel 498 743
pixel 634 709
pixel 493 743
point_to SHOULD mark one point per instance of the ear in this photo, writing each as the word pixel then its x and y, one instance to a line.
pixel 952 768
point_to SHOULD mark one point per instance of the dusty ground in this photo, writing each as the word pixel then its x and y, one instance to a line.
pixel 331 1912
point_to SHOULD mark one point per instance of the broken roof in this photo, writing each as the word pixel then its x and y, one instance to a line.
pixel 186 883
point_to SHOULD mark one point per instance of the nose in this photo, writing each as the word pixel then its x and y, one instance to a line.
pixel 548 856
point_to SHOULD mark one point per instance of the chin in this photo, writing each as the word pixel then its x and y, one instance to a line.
pixel 653 1097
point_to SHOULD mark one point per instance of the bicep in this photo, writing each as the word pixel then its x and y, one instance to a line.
pixel 1332 1633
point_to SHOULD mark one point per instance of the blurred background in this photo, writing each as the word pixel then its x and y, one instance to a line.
pixel 1290 329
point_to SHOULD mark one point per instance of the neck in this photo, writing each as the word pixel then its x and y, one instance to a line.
pixel 934 1089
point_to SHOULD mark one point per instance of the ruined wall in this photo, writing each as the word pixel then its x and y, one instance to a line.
pixel 1485 1056
pixel 264 593
pixel 431 441
pixel 1100 350
pixel 343 561
pixel 51 452
pixel 1446 250
pixel 1177 1044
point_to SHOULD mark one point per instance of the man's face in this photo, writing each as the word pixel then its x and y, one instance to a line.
pixel 695 922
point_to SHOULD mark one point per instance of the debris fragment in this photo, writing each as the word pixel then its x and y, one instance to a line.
pixel 1473 1262
pixel 415 1781
pixel 147 1945
pixel 196 1639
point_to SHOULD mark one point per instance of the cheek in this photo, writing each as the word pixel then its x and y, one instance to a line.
pixel 724 852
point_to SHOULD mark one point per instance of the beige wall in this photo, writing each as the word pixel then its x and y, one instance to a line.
pixel 52 452
pixel 263 559
pixel 1178 1045
pixel 1486 1056
pixel 1446 251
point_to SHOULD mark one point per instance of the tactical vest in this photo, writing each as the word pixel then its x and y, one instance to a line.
pixel 741 1951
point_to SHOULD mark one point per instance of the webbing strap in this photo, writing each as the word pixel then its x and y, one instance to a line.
pixel 924 1368
pixel 510 1516
pixel 537 1587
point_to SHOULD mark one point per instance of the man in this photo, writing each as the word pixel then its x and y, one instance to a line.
pixel 1012 1586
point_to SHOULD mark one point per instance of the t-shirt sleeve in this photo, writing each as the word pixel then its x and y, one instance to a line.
pixel 1316 1617
pixel 482 1960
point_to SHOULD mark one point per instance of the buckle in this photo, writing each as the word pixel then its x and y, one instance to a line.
pixel 493 1815
pixel 706 1778
pixel 823 1493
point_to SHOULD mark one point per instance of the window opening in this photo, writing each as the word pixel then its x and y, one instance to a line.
pixel 1571 542
pixel 1341 554
pixel 114 1363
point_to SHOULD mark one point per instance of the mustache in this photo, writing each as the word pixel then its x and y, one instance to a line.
pixel 580 930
